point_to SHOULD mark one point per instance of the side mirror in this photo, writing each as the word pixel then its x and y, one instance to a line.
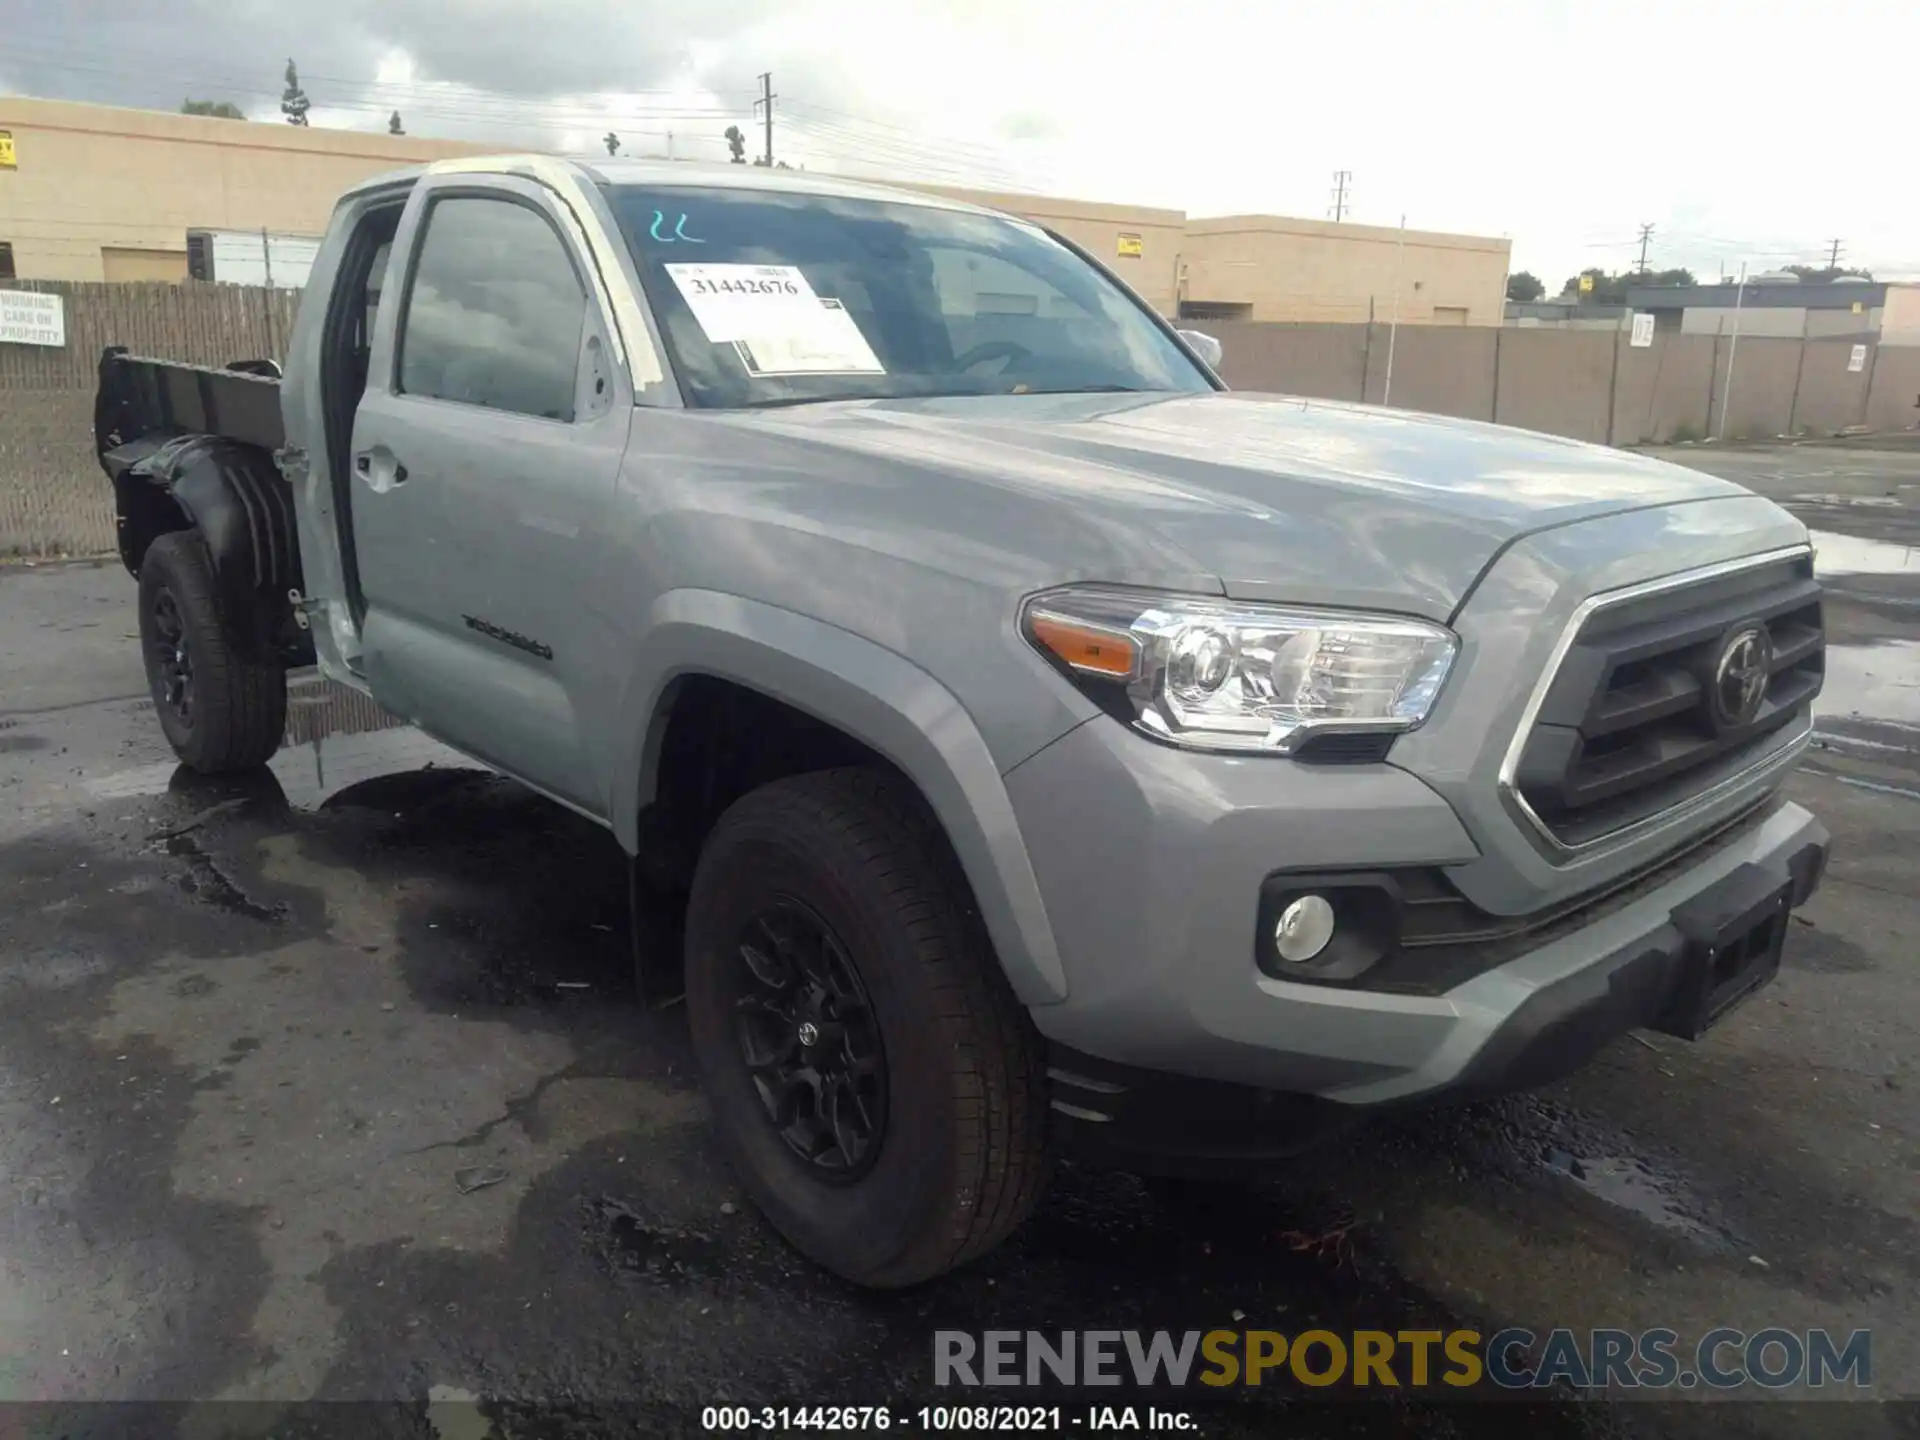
pixel 1205 346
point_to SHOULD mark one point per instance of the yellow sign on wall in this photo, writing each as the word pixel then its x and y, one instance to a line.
pixel 7 162
pixel 1132 245
pixel 1586 284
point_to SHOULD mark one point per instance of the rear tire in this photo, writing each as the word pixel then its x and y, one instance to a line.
pixel 833 897
pixel 220 712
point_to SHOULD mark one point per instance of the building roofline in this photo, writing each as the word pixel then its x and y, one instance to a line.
pixel 1817 295
pixel 1343 230
pixel 22 112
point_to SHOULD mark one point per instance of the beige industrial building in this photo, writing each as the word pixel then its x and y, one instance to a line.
pixel 1267 267
pixel 90 192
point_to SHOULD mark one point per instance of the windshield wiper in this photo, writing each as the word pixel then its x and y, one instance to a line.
pixel 776 402
pixel 1090 390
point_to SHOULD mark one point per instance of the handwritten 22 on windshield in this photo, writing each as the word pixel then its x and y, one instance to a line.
pixel 1722 1358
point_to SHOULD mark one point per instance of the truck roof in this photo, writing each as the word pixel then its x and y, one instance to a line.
pixel 674 173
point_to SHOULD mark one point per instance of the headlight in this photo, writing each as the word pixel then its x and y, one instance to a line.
pixel 1221 675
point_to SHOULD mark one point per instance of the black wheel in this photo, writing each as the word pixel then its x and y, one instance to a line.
pixel 876 1083
pixel 220 712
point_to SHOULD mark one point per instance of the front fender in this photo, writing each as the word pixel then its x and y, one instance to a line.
pixel 878 697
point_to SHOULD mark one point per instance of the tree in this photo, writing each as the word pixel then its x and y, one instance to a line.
pixel 1524 285
pixel 737 143
pixel 293 100
pixel 1612 289
pixel 612 142
pixel 393 124
pixel 219 109
pixel 1826 274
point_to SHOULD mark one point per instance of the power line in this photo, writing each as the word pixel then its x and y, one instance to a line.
pixel 1646 234
pixel 900 153
pixel 436 101
pixel 881 133
pixel 962 161
pixel 1340 181
pixel 474 110
pixel 868 122
pixel 1833 256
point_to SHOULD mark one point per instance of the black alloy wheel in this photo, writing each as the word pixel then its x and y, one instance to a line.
pixel 807 1034
pixel 172 657
pixel 878 1087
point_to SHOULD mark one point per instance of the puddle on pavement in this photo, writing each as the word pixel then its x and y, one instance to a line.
pixel 635 1245
pixel 1871 502
pixel 1632 1184
pixel 1529 1137
pixel 301 775
pixel 524 905
pixel 1873 682
pixel 1835 554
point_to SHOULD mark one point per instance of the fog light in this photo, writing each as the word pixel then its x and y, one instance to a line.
pixel 1304 928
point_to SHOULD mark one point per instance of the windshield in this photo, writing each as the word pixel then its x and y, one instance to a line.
pixel 769 298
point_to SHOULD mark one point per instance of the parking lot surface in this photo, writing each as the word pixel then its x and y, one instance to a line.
pixel 332 1083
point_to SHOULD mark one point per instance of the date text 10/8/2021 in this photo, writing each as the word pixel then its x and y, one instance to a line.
pixel 936 1419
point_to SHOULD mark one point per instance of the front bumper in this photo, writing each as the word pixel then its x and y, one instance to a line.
pixel 1150 860
pixel 1150 1122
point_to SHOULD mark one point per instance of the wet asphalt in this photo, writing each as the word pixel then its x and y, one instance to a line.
pixel 332 1084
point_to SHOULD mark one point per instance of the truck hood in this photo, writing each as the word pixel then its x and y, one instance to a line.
pixel 1276 498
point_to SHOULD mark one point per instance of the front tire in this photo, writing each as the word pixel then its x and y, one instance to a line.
pixel 220 711
pixel 876 1083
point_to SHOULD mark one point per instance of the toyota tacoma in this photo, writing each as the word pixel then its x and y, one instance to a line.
pixel 1053 751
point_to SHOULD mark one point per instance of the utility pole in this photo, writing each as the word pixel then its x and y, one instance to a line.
pixel 1646 234
pixel 1393 326
pixel 1833 257
pixel 1733 347
pixel 766 102
pixel 266 295
pixel 1341 178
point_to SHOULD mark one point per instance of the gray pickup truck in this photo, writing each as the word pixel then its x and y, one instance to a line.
pixel 1053 752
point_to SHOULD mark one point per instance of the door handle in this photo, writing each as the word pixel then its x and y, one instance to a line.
pixel 380 469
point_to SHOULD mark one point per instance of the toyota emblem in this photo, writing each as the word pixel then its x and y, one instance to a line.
pixel 1740 677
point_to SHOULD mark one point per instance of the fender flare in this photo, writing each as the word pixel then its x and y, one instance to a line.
pixel 231 493
pixel 878 697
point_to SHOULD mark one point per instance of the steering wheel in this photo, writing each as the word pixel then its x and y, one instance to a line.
pixel 990 350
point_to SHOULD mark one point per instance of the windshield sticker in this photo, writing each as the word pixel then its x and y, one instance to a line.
pixel 679 230
pixel 774 321
pixel 738 302
pixel 831 344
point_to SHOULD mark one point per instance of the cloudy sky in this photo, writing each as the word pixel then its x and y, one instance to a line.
pixel 1742 133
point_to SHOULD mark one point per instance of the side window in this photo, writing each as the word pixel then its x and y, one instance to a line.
pixel 495 312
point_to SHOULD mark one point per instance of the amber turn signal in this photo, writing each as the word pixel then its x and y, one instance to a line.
pixel 1086 648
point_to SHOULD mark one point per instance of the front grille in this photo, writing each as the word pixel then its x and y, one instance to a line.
pixel 1630 727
